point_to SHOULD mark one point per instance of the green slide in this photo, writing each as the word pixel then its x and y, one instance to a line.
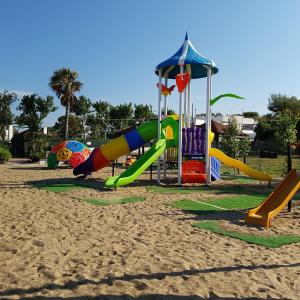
pixel 139 166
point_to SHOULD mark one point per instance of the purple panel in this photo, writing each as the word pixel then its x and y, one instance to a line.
pixel 198 131
pixel 189 141
pixel 199 142
pixel 193 141
pixel 184 141
pixel 202 141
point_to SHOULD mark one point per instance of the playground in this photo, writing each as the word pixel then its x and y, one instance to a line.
pixel 197 161
pixel 162 209
pixel 63 244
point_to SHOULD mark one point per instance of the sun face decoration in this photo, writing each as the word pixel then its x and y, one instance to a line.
pixel 63 154
pixel 72 152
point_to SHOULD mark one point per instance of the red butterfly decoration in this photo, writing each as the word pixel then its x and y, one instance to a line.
pixel 165 90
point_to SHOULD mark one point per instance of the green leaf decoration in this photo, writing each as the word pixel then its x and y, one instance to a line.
pixel 213 101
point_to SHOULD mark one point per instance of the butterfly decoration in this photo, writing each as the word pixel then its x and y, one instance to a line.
pixel 166 90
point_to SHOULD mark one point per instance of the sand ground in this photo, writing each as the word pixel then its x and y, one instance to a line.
pixel 53 246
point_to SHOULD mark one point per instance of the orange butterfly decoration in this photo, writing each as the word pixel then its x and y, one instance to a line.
pixel 165 90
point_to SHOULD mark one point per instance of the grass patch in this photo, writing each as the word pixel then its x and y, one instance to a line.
pixel 238 178
pixel 61 187
pixel 194 207
pixel 99 202
pixel 216 189
pixel 267 241
pixel 216 205
pixel 104 202
pixel 239 202
pixel 174 190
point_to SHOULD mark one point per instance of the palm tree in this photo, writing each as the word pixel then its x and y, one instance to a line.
pixel 64 84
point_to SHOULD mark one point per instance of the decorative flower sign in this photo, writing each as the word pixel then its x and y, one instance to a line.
pixel 182 80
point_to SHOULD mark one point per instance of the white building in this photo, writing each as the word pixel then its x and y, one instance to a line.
pixel 245 125
pixel 12 129
pixel 9 133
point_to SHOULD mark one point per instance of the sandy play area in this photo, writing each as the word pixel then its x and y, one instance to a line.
pixel 54 246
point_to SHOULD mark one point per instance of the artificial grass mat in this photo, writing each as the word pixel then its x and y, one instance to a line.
pixel 61 187
pixel 104 202
pixel 220 189
pixel 232 203
pixel 227 203
pixel 274 241
pixel 238 178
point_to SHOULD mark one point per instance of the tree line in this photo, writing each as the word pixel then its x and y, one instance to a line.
pixel 100 119
pixel 281 126
pixel 83 117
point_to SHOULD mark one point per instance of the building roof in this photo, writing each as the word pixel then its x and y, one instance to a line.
pixel 216 127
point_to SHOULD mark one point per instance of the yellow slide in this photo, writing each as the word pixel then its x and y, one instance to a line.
pixel 234 163
pixel 276 201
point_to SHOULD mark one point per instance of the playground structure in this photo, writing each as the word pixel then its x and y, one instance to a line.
pixel 192 144
pixel 186 64
pixel 102 156
pixel 72 152
pixel 197 162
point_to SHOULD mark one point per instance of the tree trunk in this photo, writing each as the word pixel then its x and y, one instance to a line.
pixel 67 121
pixel 2 133
pixel 84 128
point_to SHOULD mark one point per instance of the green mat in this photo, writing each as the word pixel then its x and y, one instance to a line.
pixel 61 187
pixel 238 178
pixel 220 189
pixel 104 202
pixel 274 241
pixel 215 205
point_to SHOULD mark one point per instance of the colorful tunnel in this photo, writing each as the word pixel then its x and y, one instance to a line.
pixel 102 156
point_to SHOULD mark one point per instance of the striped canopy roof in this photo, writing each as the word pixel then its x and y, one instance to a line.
pixel 188 56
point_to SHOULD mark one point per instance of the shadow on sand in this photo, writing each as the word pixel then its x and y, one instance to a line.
pixel 212 296
pixel 72 284
pixel 68 183
pixel 40 168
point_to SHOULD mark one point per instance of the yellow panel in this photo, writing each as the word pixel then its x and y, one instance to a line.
pixel 169 131
pixel 115 148
pixel 175 117
pixel 211 137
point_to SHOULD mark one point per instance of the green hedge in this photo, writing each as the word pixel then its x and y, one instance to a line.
pixel 5 155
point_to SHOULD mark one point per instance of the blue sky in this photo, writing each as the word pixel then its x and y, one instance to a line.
pixel 115 45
